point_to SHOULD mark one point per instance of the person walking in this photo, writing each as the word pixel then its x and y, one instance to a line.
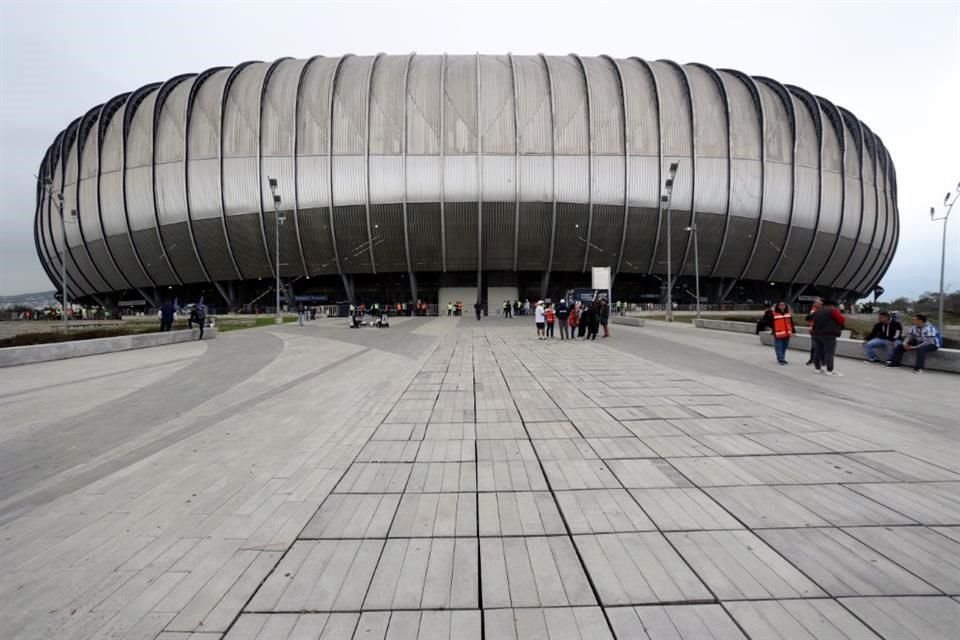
pixel 922 339
pixel 167 311
pixel 478 308
pixel 583 321
pixel 783 329
pixel 574 319
pixel 551 316
pixel 828 322
pixel 449 308
pixel 563 313
pixel 539 317
pixel 886 334
pixel 526 307
pixel 198 316
pixel 604 316
pixel 816 306
pixel 506 309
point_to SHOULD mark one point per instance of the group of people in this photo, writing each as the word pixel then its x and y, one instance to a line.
pixel 577 320
pixel 196 316
pixel 826 323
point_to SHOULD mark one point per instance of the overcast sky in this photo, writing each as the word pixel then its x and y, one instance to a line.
pixel 896 66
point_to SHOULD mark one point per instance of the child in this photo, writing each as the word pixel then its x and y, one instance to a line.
pixel 551 317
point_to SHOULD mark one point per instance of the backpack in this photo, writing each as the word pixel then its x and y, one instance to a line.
pixel 937 338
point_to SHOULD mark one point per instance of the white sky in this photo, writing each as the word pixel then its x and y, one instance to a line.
pixel 896 66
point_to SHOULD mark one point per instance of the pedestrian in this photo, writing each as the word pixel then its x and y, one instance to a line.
pixel 506 308
pixel 583 320
pixel 563 313
pixel 783 328
pixel 540 319
pixel 816 306
pixel 886 334
pixel 526 307
pixel 828 322
pixel 551 316
pixel 593 325
pixel 301 313
pixel 478 308
pixel 574 319
pixel 167 311
pixel 922 339
pixel 198 316
pixel 449 308
pixel 604 316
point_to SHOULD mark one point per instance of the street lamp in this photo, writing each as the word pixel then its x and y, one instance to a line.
pixel 943 252
pixel 696 262
pixel 668 199
pixel 58 197
pixel 278 220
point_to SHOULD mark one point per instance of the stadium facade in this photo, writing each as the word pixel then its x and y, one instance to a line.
pixel 402 174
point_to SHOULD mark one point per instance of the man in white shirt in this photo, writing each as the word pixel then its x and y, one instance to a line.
pixel 540 319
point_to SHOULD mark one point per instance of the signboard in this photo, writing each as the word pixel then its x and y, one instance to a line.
pixel 601 278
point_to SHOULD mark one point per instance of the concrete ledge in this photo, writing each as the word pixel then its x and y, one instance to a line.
pixel 13 356
pixel 627 320
pixel 749 327
pixel 940 360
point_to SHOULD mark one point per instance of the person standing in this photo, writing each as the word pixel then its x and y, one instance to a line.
pixel 604 316
pixel 922 339
pixel 816 306
pixel 449 308
pixel 551 317
pixel 563 313
pixel 574 320
pixel 782 325
pixel 828 322
pixel 478 308
pixel 506 309
pixel 526 307
pixel 886 334
pixel 539 317
pixel 167 311
pixel 301 314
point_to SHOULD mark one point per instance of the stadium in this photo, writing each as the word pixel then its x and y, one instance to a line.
pixel 405 177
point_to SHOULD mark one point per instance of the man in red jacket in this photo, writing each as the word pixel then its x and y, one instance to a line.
pixel 827 323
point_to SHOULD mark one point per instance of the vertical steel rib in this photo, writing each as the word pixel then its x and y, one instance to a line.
pixel 762 122
pixel 553 160
pixel 223 208
pixel 264 86
pixel 586 85
pixel 72 138
pixel 49 243
pixel 814 108
pixel 403 161
pixel 879 165
pixel 443 163
pixel 133 101
pixel 857 130
pixel 162 93
pixel 191 98
pixel 835 120
pixel 107 113
pixel 516 163
pixel 626 162
pixel 479 181
pixel 333 228
pixel 296 173
pixel 693 165
pixel 870 152
pixel 366 160
pixel 891 180
pixel 784 95
pixel 656 90
pixel 86 128
pixel 722 88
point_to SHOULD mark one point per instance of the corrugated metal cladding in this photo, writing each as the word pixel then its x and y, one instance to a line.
pixel 458 162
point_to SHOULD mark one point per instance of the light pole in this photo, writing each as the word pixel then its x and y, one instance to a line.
pixel 58 196
pixel 668 199
pixel 943 251
pixel 277 222
pixel 696 263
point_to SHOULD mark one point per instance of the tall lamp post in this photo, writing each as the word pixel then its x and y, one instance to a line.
pixel 668 200
pixel 943 252
pixel 58 197
pixel 277 220
pixel 696 263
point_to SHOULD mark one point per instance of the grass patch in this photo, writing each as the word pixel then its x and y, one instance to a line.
pixel 225 323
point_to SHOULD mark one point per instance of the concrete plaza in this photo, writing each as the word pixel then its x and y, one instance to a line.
pixel 446 478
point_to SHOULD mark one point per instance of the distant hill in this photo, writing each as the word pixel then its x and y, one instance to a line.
pixel 36 300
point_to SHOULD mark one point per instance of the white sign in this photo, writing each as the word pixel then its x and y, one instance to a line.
pixel 601 278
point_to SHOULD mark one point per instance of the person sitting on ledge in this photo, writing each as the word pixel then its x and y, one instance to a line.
pixel 886 334
pixel 922 339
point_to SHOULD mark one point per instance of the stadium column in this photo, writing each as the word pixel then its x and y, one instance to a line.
pixel 545 281
pixel 626 165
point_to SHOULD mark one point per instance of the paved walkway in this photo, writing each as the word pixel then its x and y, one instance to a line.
pixel 453 479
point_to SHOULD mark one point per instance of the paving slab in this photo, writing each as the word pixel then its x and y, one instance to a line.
pixel 798 620
pixel 519 514
pixel 638 568
pixel 532 572
pixel 435 515
pixel 684 509
pixel 674 622
pixel 907 618
pixel 924 552
pixel 573 623
pixel 925 503
pixel 602 511
pixel 431 573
